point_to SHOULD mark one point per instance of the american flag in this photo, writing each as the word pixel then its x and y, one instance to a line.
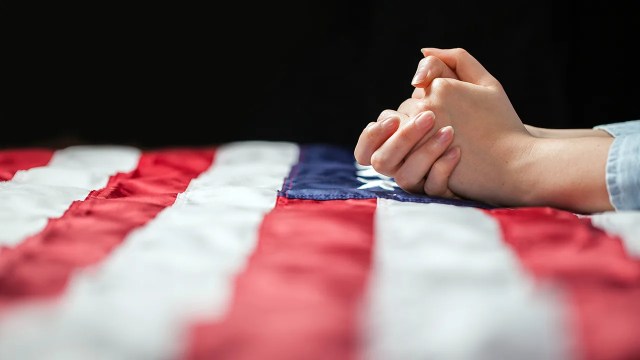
pixel 277 250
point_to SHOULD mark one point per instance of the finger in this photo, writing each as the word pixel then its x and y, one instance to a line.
pixel 418 93
pixel 373 136
pixel 463 64
pixel 386 114
pixel 411 175
pixel 430 68
pixel 437 182
pixel 412 107
pixel 390 155
pixel 392 113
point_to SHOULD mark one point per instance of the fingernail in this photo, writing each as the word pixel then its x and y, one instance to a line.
pixel 425 120
pixel 444 134
pixel 420 75
pixel 388 122
pixel 370 125
pixel 452 153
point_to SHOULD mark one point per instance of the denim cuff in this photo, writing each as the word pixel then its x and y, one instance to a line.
pixel 621 128
pixel 623 172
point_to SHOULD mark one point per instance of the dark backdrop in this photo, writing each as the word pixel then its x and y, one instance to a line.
pixel 182 74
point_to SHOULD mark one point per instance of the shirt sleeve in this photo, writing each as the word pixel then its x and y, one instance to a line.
pixel 621 128
pixel 623 164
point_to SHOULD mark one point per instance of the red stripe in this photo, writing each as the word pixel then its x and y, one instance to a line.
pixel 299 295
pixel 601 280
pixel 89 230
pixel 13 160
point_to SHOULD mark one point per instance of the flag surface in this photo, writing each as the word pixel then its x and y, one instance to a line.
pixel 275 250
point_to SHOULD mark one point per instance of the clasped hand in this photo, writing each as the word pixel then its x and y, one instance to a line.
pixel 415 144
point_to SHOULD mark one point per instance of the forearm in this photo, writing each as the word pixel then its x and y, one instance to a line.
pixel 567 173
pixel 564 133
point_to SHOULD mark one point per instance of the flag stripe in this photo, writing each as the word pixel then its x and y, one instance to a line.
pixel 617 335
pixel 445 286
pixel 624 224
pixel 252 257
pixel 601 281
pixel 14 160
pixel 33 196
pixel 140 301
pixel 89 230
pixel 299 296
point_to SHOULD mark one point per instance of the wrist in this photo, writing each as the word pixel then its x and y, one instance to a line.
pixel 535 131
pixel 520 171
pixel 567 173
pixel 565 133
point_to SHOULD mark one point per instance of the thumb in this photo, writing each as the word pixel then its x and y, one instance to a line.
pixel 463 64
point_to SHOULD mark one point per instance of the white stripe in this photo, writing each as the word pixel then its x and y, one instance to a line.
pixel 444 286
pixel 625 224
pixel 33 196
pixel 177 269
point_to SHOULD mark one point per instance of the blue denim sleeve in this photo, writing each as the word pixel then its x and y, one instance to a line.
pixel 623 164
pixel 621 128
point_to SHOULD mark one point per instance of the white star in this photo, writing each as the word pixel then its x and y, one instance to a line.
pixel 384 184
pixel 370 173
pixel 379 180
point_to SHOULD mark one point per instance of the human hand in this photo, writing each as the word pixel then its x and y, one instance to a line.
pixel 416 157
pixel 432 67
pixel 488 130
pixel 504 158
pixel 394 151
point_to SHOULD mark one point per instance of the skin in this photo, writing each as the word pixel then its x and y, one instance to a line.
pixel 419 158
pixel 505 162
pixel 414 153
pixel 564 133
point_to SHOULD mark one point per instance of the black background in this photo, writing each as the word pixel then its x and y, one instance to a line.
pixel 182 74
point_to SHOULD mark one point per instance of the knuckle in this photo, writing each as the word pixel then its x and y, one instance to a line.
pixel 401 179
pixel 432 189
pixel 439 168
pixel 431 61
pixel 422 105
pixel 440 85
pixel 386 113
pixel 410 107
pixel 380 163
pixel 357 154
pixel 425 61
pixel 370 133
pixel 460 52
pixel 436 183
pixel 407 103
pixel 408 183
pixel 360 153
